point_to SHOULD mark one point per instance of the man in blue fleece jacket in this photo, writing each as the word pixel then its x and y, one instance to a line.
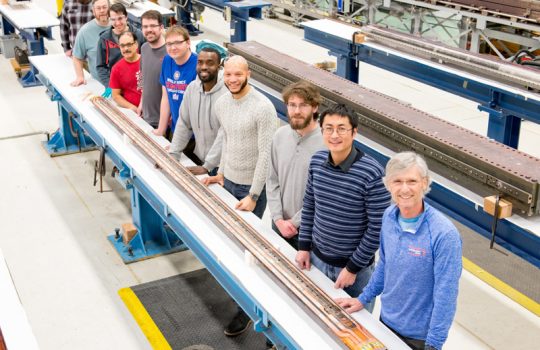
pixel 420 261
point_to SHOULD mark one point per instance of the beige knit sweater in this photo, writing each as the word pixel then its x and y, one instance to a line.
pixel 248 125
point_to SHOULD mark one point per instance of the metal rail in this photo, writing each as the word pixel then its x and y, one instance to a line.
pixel 520 76
pixel 350 332
pixel 474 161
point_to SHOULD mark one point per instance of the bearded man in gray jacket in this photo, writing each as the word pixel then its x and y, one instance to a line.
pixel 292 148
pixel 197 116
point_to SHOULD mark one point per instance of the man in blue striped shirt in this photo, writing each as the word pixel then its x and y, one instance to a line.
pixel 343 206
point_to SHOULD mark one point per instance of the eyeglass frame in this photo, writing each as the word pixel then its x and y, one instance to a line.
pixel 299 106
pixel 126 45
pixel 175 43
pixel 328 130
pixel 117 19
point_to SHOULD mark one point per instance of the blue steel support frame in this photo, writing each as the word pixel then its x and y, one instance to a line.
pixel 162 232
pixel 75 135
pixel 514 238
pixel 153 238
pixel 36 46
pixel 70 137
pixel 506 109
pixel 241 12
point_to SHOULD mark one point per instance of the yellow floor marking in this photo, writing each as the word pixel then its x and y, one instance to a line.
pixel 149 328
pixel 502 287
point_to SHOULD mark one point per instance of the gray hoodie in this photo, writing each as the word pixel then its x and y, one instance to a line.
pixel 197 118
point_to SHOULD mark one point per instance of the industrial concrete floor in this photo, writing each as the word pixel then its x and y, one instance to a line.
pixel 54 223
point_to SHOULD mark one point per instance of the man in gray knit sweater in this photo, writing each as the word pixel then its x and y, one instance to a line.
pixel 248 121
pixel 292 148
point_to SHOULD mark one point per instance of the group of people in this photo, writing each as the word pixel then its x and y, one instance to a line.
pixel 329 200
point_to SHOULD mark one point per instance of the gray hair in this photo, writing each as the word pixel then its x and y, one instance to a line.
pixel 405 160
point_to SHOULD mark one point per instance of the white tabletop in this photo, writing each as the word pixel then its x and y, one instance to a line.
pixel 28 16
pixel 283 307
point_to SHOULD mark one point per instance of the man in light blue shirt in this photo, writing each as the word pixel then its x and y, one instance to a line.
pixel 85 48
pixel 418 272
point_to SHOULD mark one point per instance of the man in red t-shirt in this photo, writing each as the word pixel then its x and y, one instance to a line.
pixel 125 80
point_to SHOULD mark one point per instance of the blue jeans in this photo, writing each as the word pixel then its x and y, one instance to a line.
pixel 241 191
pixel 332 272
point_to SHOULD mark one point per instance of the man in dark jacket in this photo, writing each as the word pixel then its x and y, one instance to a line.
pixel 108 52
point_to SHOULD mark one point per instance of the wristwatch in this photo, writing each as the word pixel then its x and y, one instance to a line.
pixel 254 196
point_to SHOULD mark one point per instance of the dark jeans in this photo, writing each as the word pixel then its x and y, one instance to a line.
pixel 241 191
pixel 415 344
pixel 293 241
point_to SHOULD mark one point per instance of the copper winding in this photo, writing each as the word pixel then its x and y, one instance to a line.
pixel 350 332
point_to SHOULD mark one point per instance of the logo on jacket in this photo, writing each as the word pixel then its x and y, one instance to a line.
pixel 176 75
pixel 416 251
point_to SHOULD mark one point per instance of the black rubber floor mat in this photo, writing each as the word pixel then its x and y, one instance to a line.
pixel 191 310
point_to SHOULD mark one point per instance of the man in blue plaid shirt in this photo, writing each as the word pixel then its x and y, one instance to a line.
pixel 74 15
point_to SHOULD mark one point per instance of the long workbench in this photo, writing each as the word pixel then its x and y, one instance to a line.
pixel 247 282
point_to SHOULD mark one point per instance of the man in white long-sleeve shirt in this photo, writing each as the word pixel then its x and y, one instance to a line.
pixel 292 148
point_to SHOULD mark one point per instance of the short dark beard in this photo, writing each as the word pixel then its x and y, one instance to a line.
pixel 244 84
pixel 306 122
pixel 209 79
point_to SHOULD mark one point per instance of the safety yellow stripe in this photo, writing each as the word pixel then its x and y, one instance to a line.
pixel 149 328
pixel 502 287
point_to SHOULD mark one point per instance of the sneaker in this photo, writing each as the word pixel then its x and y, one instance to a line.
pixel 239 324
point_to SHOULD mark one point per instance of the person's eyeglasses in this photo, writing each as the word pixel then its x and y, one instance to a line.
pixel 101 8
pixel 117 19
pixel 150 26
pixel 175 43
pixel 293 106
pixel 126 45
pixel 340 130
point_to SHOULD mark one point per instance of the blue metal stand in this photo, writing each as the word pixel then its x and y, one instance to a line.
pixel 150 216
pixel 347 67
pixel 241 12
pixel 153 237
pixel 35 44
pixel 70 136
pixel 502 127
